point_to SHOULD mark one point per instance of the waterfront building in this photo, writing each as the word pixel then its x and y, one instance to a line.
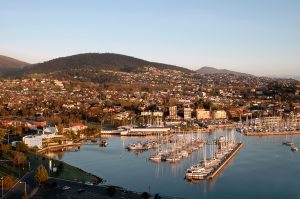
pixel 158 118
pixel 270 121
pixel 75 127
pixel 173 112
pixel 217 115
pixel 202 114
pixel 39 139
pixel 187 113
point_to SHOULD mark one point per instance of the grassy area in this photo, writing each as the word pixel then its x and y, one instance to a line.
pixel 64 170
pixel 67 172
pixel 73 173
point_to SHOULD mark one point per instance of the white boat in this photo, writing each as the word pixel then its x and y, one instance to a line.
pixel 197 173
pixel 156 157
pixel 173 158
pixel 294 148
pixel 136 146
pixel 184 153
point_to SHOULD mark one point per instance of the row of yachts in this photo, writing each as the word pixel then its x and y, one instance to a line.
pixel 178 151
pixel 171 149
pixel 220 151
pixel 266 129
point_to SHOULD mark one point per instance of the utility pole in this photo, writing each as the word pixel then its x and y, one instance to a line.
pixel 2 187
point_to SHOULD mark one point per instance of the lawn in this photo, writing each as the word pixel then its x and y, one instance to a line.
pixel 67 172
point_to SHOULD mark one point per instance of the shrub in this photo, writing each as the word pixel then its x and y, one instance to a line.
pixel 145 195
pixel 111 191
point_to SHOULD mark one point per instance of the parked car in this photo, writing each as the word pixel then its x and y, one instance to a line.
pixel 66 188
pixel 80 190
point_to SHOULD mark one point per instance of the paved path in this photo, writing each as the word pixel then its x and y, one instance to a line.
pixel 18 190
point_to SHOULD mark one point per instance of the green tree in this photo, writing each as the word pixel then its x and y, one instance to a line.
pixel 41 174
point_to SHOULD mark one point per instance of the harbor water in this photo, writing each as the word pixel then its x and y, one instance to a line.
pixel 264 168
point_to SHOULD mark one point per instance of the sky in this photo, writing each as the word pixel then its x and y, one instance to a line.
pixel 260 37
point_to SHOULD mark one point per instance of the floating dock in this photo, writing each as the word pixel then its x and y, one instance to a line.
pixel 217 170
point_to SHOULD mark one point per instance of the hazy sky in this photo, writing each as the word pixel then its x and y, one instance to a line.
pixel 256 36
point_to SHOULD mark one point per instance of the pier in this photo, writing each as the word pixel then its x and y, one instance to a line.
pixel 217 170
pixel 58 147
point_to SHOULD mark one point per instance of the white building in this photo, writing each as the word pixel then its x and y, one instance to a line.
pixel 33 141
pixel 37 140
pixel 187 113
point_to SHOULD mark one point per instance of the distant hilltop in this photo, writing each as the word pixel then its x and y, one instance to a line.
pixel 107 61
pixel 8 64
pixel 212 70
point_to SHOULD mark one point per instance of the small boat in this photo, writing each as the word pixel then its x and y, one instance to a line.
pixel 197 172
pixel 288 143
pixel 173 158
pixel 156 157
pixel 184 153
pixel 294 148
pixel 103 143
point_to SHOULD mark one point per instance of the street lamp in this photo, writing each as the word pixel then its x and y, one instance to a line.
pixel 25 187
pixel 2 187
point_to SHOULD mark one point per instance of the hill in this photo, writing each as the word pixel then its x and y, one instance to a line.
pixel 211 70
pixel 108 61
pixel 8 64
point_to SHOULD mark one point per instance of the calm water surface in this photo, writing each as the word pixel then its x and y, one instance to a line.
pixel 264 168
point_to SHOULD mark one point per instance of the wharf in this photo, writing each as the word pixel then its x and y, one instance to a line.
pixel 58 147
pixel 272 133
pixel 217 170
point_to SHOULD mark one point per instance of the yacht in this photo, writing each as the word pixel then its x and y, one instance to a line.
pixel 136 146
pixel 156 157
pixel 173 158
pixel 197 172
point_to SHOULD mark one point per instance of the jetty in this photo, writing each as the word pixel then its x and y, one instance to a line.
pixel 224 161
pixel 59 147
pixel 222 150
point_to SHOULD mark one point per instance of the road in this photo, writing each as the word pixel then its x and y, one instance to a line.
pixel 90 191
pixel 19 189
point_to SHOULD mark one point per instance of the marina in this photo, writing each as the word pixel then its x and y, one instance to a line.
pixel 256 157
pixel 222 150
pixel 270 126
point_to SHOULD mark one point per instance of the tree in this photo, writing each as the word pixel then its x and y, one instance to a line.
pixel 8 182
pixel 145 195
pixel 19 159
pixel 4 149
pixel 41 174
pixel 22 147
